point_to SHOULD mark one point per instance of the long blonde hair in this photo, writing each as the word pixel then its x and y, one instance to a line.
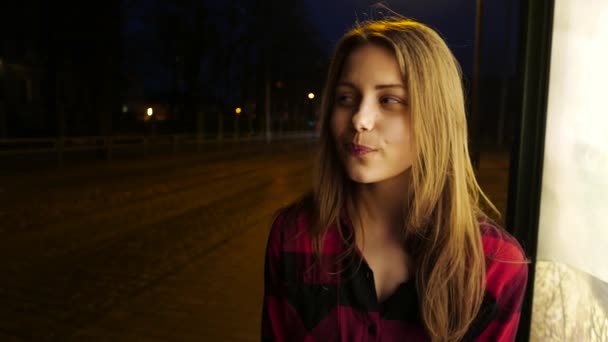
pixel 441 214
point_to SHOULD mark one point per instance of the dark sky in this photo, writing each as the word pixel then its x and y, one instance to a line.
pixel 454 19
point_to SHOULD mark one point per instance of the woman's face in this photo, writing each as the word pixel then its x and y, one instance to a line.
pixel 370 120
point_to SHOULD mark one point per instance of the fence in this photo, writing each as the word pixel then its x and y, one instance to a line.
pixel 107 144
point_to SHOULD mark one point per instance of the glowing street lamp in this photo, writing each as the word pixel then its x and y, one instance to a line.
pixel 237 110
pixel 150 111
pixel 311 96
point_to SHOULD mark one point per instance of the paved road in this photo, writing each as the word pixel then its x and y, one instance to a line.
pixel 157 249
pixel 148 250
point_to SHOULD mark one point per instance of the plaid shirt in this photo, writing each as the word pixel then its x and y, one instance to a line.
pixel 303 303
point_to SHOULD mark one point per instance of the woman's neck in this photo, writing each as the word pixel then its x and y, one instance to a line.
pixel 380 205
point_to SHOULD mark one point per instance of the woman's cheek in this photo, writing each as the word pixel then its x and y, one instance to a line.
pixel 338 123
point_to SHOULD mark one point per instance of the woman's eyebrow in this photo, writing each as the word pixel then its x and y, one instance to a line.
pixel 384 86
pixel 377 87
pixel 345 84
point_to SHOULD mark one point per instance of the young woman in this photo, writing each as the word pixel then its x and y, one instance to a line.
pixel 392 244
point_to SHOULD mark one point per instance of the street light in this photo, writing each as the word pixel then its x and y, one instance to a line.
pixel 311 96
pixel 237 110
pixel 150 111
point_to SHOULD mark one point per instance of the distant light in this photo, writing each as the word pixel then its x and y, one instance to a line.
pixel 311 96
pixel 150 111
pixel 125 108
pixel 237 110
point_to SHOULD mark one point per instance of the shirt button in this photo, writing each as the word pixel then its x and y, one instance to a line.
pixel 371 329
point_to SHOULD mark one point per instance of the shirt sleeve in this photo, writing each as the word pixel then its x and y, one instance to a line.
pixel 273 317
pixel 508 287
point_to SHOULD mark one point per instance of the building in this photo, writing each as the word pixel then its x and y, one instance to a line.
pixel 60 68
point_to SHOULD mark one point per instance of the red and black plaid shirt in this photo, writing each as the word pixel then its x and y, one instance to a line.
pixel 303 303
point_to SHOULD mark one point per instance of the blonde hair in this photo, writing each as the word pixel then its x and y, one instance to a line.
pixel 441 214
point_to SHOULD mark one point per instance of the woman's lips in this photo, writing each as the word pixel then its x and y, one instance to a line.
pixel 358 150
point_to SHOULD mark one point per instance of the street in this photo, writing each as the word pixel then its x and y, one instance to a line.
pixel 150 249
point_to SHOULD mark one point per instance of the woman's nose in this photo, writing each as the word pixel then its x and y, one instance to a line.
pixel 364 118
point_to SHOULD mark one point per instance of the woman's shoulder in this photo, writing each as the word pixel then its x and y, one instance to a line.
pixel 506 265
pixel 506 275
pixel 290 229
pixel 498 244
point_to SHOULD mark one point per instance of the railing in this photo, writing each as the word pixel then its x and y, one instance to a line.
pixel 107 144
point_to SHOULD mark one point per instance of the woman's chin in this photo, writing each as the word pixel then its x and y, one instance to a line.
pixel 362 177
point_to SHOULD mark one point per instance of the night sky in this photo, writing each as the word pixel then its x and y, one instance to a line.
pixel 195 56
pixel 454 19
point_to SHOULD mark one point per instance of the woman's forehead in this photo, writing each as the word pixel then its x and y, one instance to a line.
pixel 371 64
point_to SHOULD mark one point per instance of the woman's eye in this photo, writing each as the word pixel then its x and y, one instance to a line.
pixel 345 100
pixel 389 100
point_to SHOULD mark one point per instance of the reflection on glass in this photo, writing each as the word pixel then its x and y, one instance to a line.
pixel 569 305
